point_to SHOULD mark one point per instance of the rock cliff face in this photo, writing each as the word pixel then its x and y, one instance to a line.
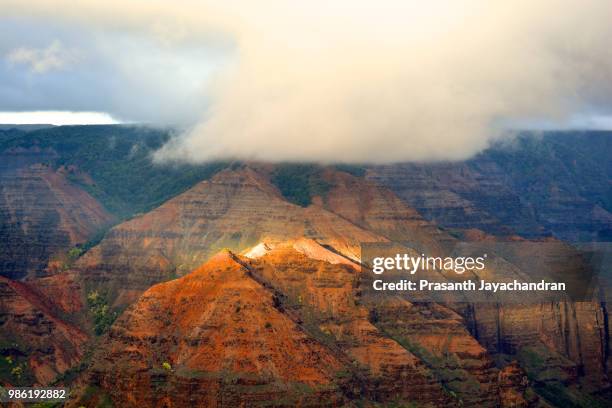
pixel 324 297
pixel 215 337
pixel 289 319
pixel 307 259
pixel 42 214
pixel 440 338
pixel 377 209
pixel 513 390
pixel 454 195
pixel 38 340
pixel 229 337
pixel 556 184
pixel 567 338
pixel 235 209
pixel 238 208
pixel 288 326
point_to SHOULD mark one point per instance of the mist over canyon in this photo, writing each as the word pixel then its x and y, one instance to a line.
pixel 357 81
pixel 348 204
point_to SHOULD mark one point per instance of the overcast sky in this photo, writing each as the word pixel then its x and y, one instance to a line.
pixel 374 81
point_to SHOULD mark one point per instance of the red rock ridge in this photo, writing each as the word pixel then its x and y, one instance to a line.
pixel 35 323
pixel 42 215
pixel 236 209
pixel 213 338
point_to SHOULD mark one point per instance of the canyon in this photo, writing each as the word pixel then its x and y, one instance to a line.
pixel 429 343
pixel 42 213
pixel 229 293
pixel 551 184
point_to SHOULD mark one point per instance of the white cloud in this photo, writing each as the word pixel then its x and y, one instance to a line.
pixel 56 118
pixel 363 80
pixel 41 60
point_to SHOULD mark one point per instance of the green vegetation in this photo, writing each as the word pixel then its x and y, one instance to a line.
pixel 14 368
pixel 544 369
pixel 559 395
pixel 445 367
pixel 102 316
pixel 114 163
pixel 127 181
pixel 74 253
pixel 15 372
pixel 299 183
pixel 543 364
pixel 66 260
